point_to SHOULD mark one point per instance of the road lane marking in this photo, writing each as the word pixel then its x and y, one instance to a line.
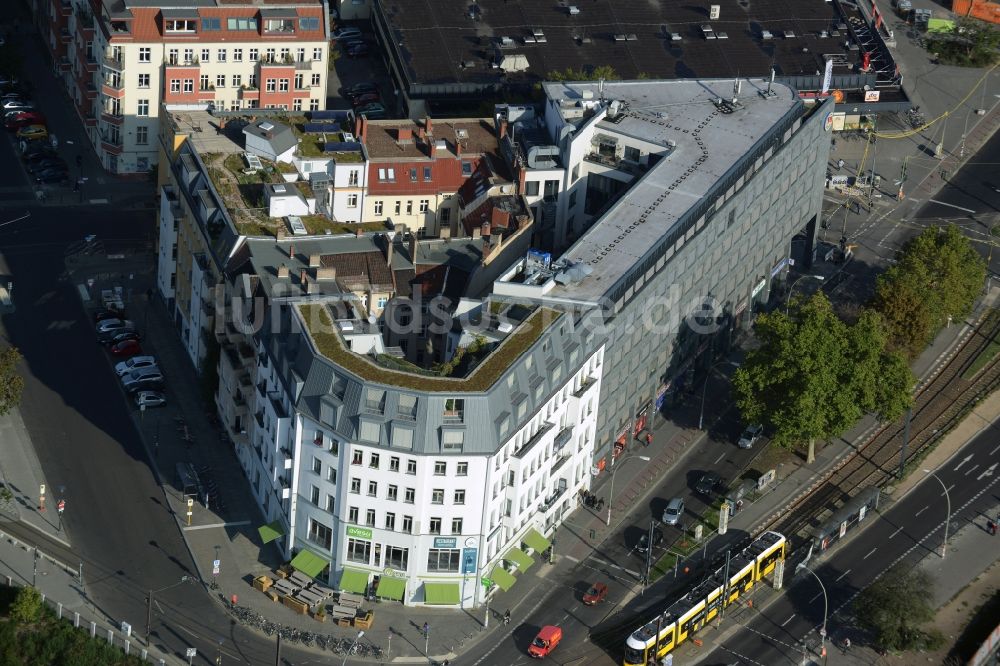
pixel 719 458
pixel 872 551
pixel 995 450
pixel 949 488
pixel 842 575
pixel 818 595
pixel 788 620
pixel 919 512
pixel 898 530
pixel 987 472
pixel 971 469
pixel 575 560
pixel 941 203
pixel 964 460
pixel 214 525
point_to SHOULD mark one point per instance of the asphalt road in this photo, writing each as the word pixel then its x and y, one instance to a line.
pixel 904 532
pixel 616 562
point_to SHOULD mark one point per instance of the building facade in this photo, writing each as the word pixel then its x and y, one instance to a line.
pixel 121 60
pixel 679 204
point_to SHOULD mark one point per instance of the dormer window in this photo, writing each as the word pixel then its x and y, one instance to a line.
pixel 279 25
pixel 179 25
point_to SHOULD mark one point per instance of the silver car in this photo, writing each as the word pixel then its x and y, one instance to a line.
pixel 750 436
pixel 675 509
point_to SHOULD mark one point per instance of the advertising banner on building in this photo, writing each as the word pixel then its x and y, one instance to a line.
pixel 827 76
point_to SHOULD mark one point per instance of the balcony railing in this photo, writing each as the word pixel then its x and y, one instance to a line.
pixel 526 449
pixel 563 437
pixel 113 63
pixel 587 383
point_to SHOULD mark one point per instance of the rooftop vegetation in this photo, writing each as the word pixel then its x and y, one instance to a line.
pixel 317 321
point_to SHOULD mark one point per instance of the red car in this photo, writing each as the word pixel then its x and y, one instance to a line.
pixel 595 594
pixel 23 119
pixel 126 348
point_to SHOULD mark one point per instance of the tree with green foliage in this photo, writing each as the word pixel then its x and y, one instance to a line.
pixel 27 606
pixel 936 279
pixel 895 606
pixel 970 43
pixel 606 72
pixel 11 383
pixel 813 376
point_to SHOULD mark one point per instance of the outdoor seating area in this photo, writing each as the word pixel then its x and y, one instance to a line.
pixel 303 595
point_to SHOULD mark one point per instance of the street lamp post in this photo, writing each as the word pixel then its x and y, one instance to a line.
pixel 947 499
pixel 788 299
pixel 353 645
pixel 826 606
pixel 611 494
pixel 704 390
pixel 149 603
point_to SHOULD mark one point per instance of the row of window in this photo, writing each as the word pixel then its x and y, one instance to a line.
pixel 308 24
pixel 422 207
pixel 440 466
pixel 174 56
pixel 392 494
pixel 406 525
pixel 397 557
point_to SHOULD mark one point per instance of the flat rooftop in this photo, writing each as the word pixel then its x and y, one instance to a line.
pixel 439 41
pixel 707 142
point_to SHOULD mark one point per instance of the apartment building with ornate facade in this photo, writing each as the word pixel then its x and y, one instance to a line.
pixel 121 59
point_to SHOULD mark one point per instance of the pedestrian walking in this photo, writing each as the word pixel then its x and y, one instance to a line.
pixel 506 617
pixel 991 526
pixel 847 645
pixel 426 629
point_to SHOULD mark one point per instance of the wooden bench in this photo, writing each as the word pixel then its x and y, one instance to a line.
pixel 351 600
pixel 299 579
pixel 342 612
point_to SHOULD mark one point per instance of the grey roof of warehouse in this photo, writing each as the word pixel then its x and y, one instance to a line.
pixel 661 111
pixel 435 37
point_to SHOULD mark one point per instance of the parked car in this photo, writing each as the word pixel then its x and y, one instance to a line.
pixel 18 119
pixel 708 483
pixel 363 100
pixel 114 337
pixel 750 436
pixel 40 155
pixel 142 379
pixel 17 104
pixel 595 594
pixel 47 163
pixel 347 32
pixel 111 324
pixel 371 111
pixel 101 315
pixel 52 177
pixel 358 89
pixel 135 363
pixel 643 545
pixel 357 50
pixel 545 642
pixel 33 149
pixel 150 399
pixel 31 132
pixel 675 509
pixel 126 348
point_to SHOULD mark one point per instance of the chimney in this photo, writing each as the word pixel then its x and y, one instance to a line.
pixel 427 125
pixel 312 287
pixel 282 231
pixel 477 233
pixel 313 261
pixel 361 128
pixel 500 218
pixel 458 147
pixel 291 250
pixel 485 230
pixel 445 233
pixel 303 275
pixel 359 232
pixel 413 249
pixel 521 178
pixel 283 271
pixel 326 273
pixel 432 148
pixel 388 251
pixel 487 249
pixel 404 134
pixel 502 130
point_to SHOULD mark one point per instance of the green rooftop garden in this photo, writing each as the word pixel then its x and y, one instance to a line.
pixel 316 319
pixel 320 224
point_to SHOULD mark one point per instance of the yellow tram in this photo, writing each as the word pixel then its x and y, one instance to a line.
pixel 704 601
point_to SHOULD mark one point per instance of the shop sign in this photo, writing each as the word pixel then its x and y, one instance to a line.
pixel 759 287
pixel 872 95
pixel 359 532
pixel 740 308
pixel 393 573
pixel 445 542
pixel 661 395
pixel 778 267
pixel 640 419
pixel 469 556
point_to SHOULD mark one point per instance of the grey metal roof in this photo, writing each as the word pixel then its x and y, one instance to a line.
pixel 707 144
pixel 280 136
pixel 180 13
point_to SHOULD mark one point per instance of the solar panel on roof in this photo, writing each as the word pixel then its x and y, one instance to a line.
pixel 341 146
pixel 319 128
pixel 332 114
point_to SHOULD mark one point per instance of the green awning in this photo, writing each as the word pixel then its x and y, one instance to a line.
pixel 355 580
pixel 441 594
pixel 503 579
pixel 309 563
pixel 536 541
pixel 271 531
pixel 391 588
pixel 520 558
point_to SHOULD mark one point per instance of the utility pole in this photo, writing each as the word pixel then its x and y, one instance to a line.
pixel 277 652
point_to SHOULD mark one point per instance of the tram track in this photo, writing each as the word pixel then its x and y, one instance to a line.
pixel 939 403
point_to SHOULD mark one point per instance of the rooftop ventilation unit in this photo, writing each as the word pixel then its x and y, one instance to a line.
pixel 538 32
pixel 675 37
pixel 722 35
pixel 620 37
pixel 280 188
pixel 348 137
pixel 462 133
pixel 266 126
pixel 631 37
pixel 506 42
pixel 766 34
pixel 789 34
pixel 573 10
pixel 298 228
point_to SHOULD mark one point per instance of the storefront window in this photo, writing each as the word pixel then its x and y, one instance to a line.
pixel 443 559
pixel 359 551
pixel 396 557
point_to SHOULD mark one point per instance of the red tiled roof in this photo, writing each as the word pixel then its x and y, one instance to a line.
pixel 359 269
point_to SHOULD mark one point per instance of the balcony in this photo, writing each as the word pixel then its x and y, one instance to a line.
pixel 249 93
pixel 558 464
pixel 113 63
pixel 90 91
pixel 626 166
pixel 563 438
pixel 304 65
pixel 64 36
pixel 587 383
pixel 64 64
pixel 521 453
pixel 553 499
pixel 113 117
pixel 65 8
pixel 112 144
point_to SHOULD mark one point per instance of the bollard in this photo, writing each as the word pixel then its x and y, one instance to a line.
pixel 145 654
pixel 126 648
pixel 76 620
pixel 93 629
pixel 59 610
pixel 111 636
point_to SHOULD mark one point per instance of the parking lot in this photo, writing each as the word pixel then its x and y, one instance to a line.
pixel 347 71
